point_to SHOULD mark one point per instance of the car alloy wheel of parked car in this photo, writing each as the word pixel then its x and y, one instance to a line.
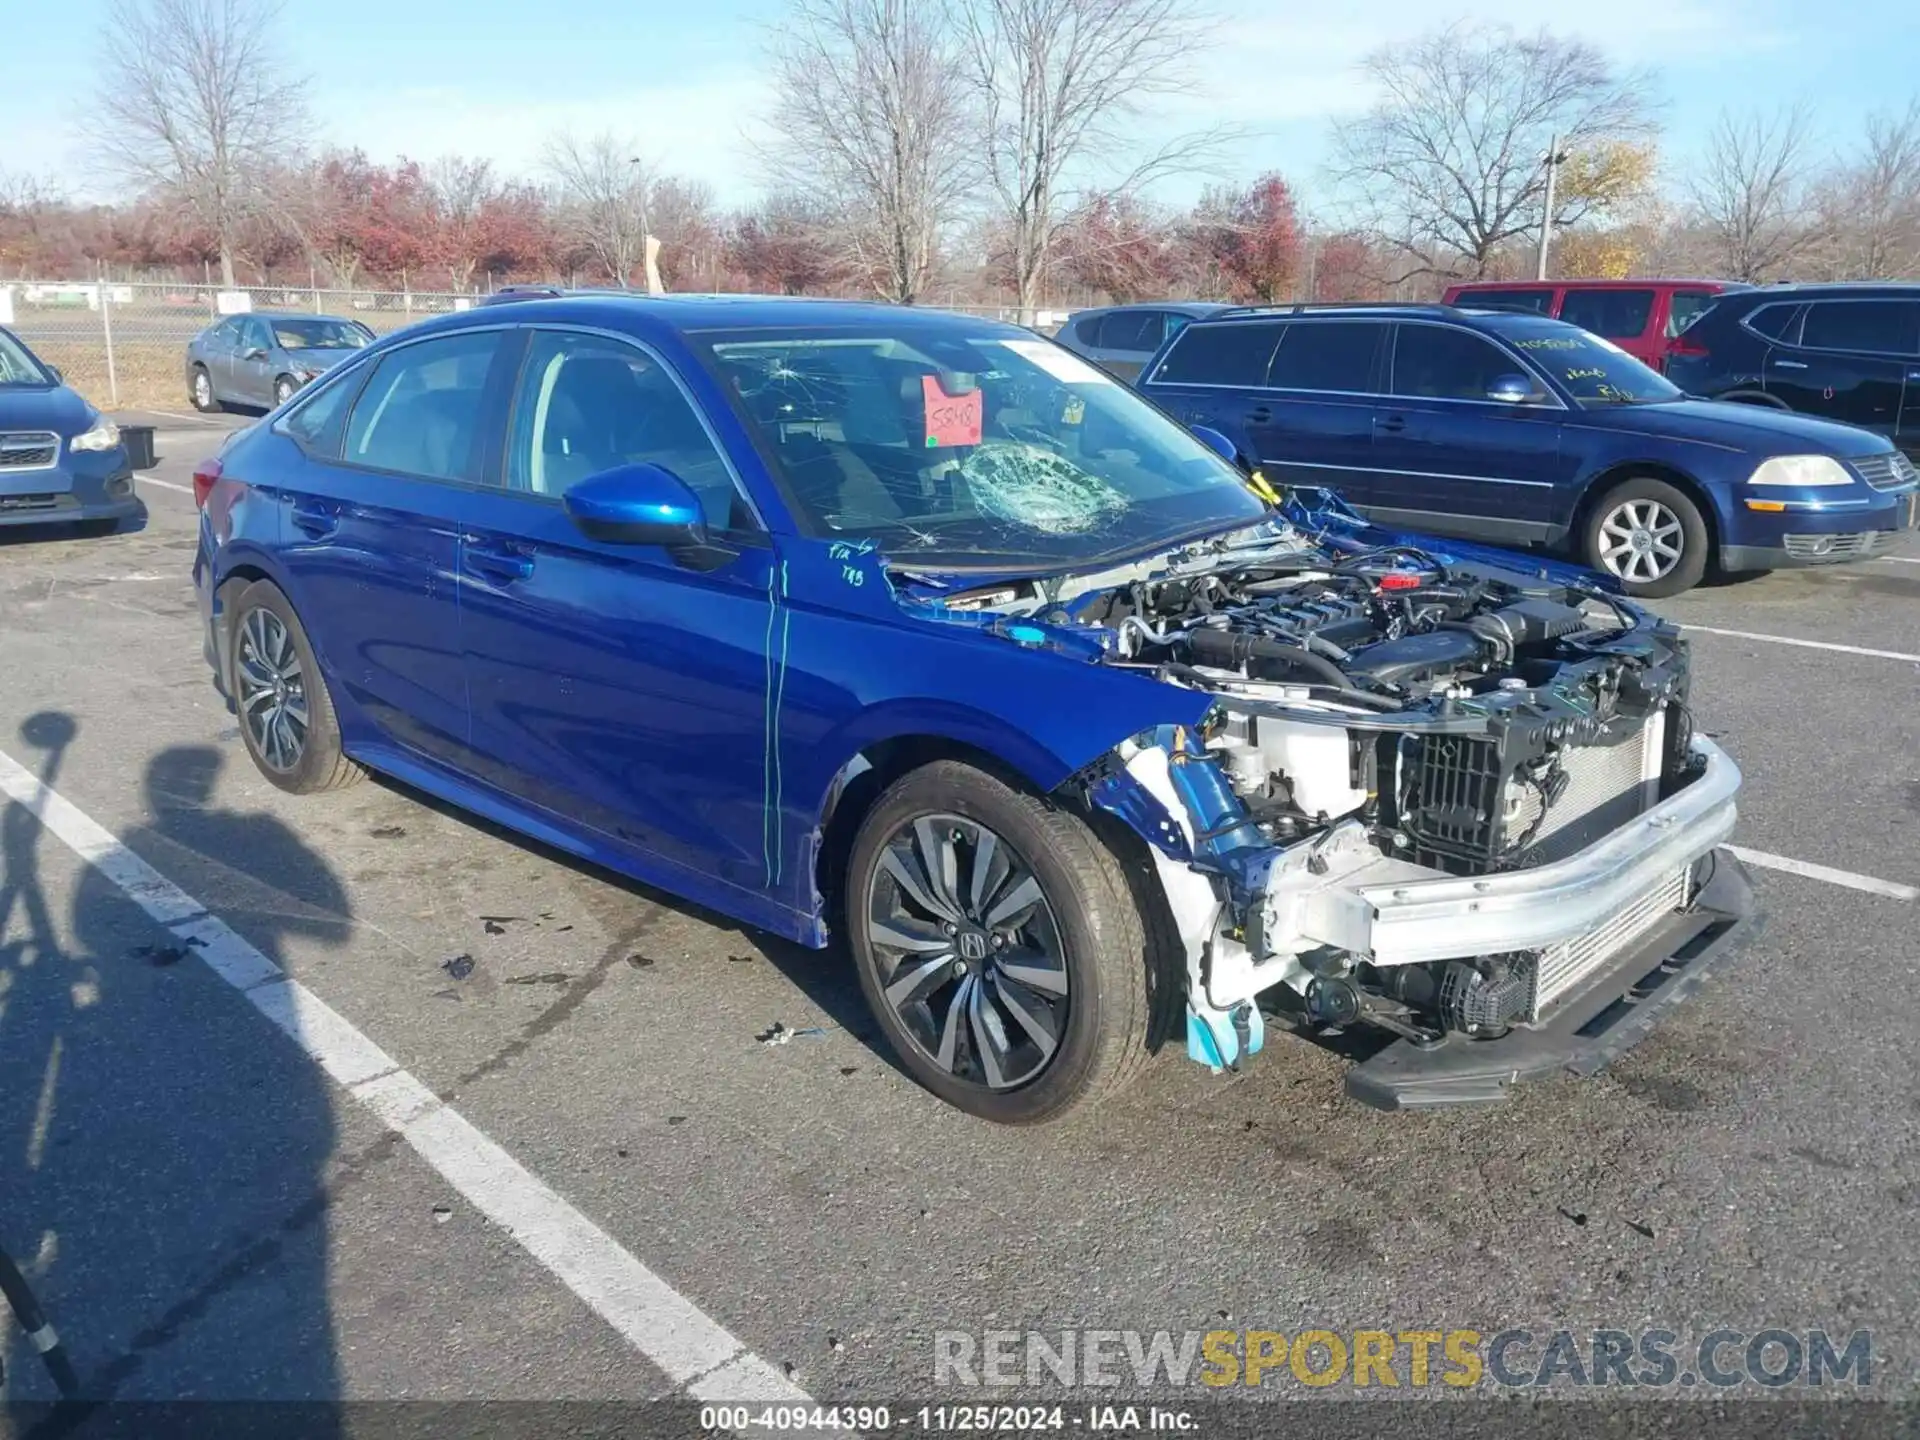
pixel 201 392
pixel 287 719
pixel 1650 537
pixel 998 944
pixel 282 390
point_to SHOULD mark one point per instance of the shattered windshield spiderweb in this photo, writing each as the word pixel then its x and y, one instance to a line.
pixel 954 440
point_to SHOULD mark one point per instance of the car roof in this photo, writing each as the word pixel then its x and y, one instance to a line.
pixel 1836 289
pixel 688 312
pixel 1179 307
pixel 1652 282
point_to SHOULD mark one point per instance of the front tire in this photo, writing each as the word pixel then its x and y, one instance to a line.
pixel 283 389
pixel 287 720
pixel 998 945
pixel 1648 535
pixel 200 392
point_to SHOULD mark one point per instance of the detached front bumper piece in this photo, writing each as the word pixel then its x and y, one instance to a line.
pixel 1611 1011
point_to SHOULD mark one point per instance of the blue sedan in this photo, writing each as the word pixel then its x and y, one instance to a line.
pixel 61 461
pixel 1524 431
pixel 920 633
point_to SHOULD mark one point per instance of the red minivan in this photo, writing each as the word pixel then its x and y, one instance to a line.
pixel 1640 316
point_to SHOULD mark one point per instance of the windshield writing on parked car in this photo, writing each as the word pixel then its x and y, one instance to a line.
pixel 1593 371
pixel 987 447
pixel 303 334
pixel 17 365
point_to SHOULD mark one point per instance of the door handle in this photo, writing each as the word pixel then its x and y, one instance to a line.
pixel 1259 415
pixel 1789 365
pixel 497 562
pixel 1392 424
pixel 319 521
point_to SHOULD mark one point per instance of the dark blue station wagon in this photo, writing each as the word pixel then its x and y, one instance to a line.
pixel 1526 431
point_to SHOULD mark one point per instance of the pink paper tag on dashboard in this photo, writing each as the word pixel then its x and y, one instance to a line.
pixel 951 419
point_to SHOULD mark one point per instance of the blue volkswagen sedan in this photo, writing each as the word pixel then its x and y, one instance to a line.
pixel 921 635
pixel 61 461
pixel 1524 431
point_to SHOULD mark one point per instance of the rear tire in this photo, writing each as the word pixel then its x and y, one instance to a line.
pixel 200 392
pixel 1648 535
pixel 287 719
pixel 1038 1011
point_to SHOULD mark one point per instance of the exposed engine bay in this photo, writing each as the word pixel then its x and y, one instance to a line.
pixel 1382 718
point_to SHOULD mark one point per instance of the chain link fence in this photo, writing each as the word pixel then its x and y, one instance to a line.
pixel 124 345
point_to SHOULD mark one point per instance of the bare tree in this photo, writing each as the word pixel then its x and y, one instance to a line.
pixel 604 183
pixel 460 188
pixel 1449 163
pixel 1752 192
pixel 871 114
pixel 1057 83
pixel 194 100
pixel 1872 211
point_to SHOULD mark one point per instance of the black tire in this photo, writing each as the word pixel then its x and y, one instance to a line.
pixel 1103 1042
pixel 210 405
pixel 1643 490
pixel 320 764
pixel 283 389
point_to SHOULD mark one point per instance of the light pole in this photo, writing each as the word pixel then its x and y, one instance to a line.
pixel 636 166
pixel 1556 157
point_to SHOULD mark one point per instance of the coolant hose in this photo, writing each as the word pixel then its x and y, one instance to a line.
pixel 1233 652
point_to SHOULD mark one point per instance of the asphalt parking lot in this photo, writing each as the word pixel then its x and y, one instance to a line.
pixel 653 1195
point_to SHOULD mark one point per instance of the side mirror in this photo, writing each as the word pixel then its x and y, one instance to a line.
pixel 1513 390
pixel 1218 443
pixel 637 505
pixel 253 352
pixel 54 371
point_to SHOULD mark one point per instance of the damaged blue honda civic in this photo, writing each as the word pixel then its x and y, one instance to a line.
pixel 916 634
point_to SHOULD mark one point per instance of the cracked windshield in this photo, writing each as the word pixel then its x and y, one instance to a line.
pixel 974 448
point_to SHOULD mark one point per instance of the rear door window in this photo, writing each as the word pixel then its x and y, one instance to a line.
pixel 1610 314
pixel 1873 327
pixel 1132 330
pixel 1330 355
pixel 421 412
pixel 1437 362
pixel 1234 353
pixel 1775 322
pixel 1539 302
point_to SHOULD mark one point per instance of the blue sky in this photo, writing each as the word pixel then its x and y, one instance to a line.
pixel 492 77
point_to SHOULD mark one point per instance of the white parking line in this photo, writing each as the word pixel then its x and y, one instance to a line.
pixel 163 484
pixel 1899 559
pixel 700 1357
pixel 1892 889
pixel 1806 644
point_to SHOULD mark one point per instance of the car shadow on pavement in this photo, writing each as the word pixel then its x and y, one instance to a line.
pixel 824 977
pixel 16 537
pixel 166 1155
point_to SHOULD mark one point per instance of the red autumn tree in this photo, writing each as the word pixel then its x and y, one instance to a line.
pixel 1258 246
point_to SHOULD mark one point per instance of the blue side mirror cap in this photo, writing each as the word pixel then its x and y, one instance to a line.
pixel 637 505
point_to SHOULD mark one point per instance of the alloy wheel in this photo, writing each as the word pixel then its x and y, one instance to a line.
pixel 282 392
pixel 1641 541
pixel 273 690
pixel 968 951
pixel 202 390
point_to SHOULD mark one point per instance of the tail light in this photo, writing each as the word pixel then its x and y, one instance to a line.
pixel 204 474
pixel 1685 343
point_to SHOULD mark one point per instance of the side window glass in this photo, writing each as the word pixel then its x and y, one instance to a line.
pixel 1435 363
pixel 1874 327
pixel 253 335
pixel 315 422
pixel 586 404
pixel 1772 320
pixel 420 413
pixel 1233 353
pixel 1611 314
pixel 1131 330
pixel 1686 306
pixel 1177 322
pixel 1334 355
